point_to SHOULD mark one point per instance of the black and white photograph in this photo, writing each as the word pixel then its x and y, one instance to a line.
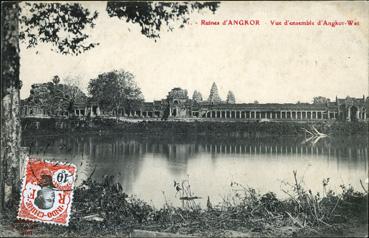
pixel 184 119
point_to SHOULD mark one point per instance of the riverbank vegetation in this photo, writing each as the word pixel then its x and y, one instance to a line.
pixel 44 126
pixel 103 208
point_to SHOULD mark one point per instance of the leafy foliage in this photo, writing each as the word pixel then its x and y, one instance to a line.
pixel 56 79
pixel 115 89
pixel 54 97
pixel 62 25
pixel 152 16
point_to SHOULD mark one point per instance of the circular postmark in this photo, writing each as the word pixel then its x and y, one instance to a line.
pixel 63 179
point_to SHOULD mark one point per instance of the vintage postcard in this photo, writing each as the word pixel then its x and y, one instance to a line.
pixel 184 119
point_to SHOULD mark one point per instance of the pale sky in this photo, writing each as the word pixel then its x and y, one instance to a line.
pixel 265 63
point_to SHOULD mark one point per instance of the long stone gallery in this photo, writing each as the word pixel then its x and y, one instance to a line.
pixel 178 105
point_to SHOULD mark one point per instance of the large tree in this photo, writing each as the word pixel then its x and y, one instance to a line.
pixel 62 25
pixel 115 90
pixel 10 100
pixel 56 98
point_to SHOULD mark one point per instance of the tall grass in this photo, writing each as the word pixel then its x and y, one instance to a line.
pixel 101 208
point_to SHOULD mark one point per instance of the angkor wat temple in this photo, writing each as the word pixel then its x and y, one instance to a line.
pixel 178 105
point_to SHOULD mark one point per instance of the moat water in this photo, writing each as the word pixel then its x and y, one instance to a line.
pixel 147 166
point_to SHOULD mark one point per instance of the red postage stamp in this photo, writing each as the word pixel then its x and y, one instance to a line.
pixel 47 191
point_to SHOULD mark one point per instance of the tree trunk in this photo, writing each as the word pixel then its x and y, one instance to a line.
pixel 10 103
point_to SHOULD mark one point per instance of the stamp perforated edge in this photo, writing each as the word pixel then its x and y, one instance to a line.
pixel 24 183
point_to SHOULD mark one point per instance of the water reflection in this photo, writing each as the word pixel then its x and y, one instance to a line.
pixel 147 165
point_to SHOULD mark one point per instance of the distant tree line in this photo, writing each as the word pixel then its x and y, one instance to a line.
pixel 112 91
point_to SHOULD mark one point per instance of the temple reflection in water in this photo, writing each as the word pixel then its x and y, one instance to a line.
pixel 115 148
pixel 147 165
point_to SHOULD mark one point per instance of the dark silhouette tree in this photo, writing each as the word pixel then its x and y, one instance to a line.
pixel 56 79
pixel 116 90
pixel 153 16
pixel 55 98
pixel 10 99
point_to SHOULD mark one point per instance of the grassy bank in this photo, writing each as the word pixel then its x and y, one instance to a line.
pixel 43 126
pixel 101 209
